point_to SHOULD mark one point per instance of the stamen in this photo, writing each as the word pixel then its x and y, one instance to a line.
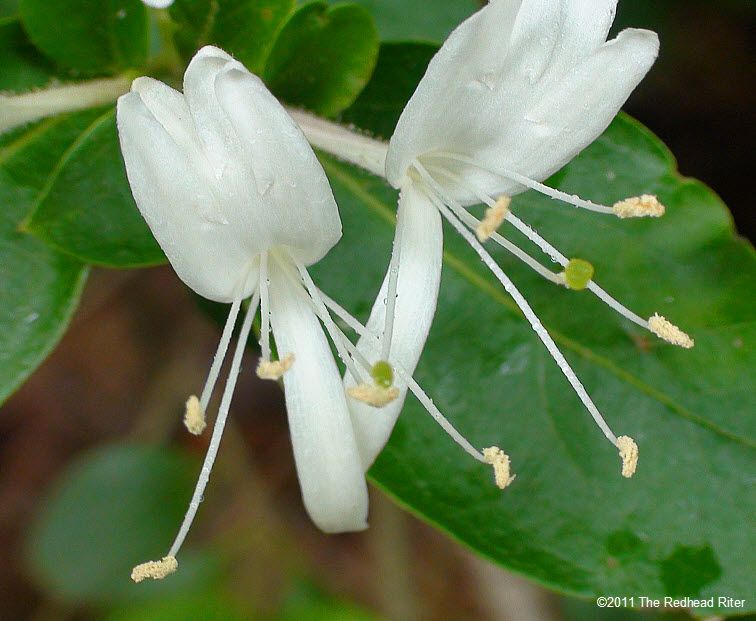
pixel 577 274
pixel 520 301
pixel 493 219
pixel 669 332
pixel 220 354
pixel 473 223
pixel 645 206
pixel 374 395
pixel 539 241
pixel 628 451
pixel 382 391
pixel 274 369
pixel 220 423
pixel 510 175
pixel 194 416
pixel 332 329
pixel 155 570
pixel 404 376
pixel 501 465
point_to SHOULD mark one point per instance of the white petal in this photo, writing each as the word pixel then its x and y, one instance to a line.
pixel 417 292
pixel 172 195
pixel 300 211
pixel 328 463
pixel 169 108
pixel 212 126
pixel 528 100
pixel 577 109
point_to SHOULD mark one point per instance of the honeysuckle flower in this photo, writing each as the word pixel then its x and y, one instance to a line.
pixel 234 195
pixel 515 93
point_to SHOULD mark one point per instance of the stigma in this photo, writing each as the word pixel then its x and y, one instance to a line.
pixel 274 369
pixel 628 451
pixel 194 416
pixel 645 206
pixel 155 570
pixel 669 332
pixel 493 218
pixel 501 465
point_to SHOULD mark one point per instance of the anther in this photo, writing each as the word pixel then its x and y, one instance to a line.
pixel 646 206
pixel 577 274
pixel 374 395
pixel 669 332
pixel 493 218
pixel 500 462
pixel 155 570
pixel 628 451
pixel 274 369
pixel 194 416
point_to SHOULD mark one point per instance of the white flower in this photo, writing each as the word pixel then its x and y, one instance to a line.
pixel 237 200
pixel 515 92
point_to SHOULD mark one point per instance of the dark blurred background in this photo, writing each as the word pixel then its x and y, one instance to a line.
pixel 138 340
pixel 700 97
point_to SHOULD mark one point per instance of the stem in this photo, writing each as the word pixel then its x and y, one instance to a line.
pixel 345 144
pixel 17 110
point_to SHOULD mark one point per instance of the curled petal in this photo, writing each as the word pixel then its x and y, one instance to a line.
pixel 328 463
pixel 520 87
pixel 417 292
pixel 173 196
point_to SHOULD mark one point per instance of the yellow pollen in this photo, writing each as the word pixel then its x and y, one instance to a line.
pixel 374 395
pixel 646 206
pixel 500 462
pixel 628 451
pixel 274 369
pixel 494 217
pixel 155 570
pixel 194 416
pixel 669 332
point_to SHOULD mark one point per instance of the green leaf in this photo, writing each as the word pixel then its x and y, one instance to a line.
pixel 23 66
pixel 397 72
pixel 86 208
pixel 39 287
pixel 8 8
pixel 111 509
pixel 90 36
pixel 323 57
pixel 569 520
pixel 244 28
pixel 400 20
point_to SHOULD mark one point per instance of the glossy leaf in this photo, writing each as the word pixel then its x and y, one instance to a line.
pixel 323 57
pixel 90 36
pixel 86 208
pixel 569 520
pixel 244 28
pixel 111 509
pixel 400 20
pixel 39 287
pixel 397 72
pixel 23 66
